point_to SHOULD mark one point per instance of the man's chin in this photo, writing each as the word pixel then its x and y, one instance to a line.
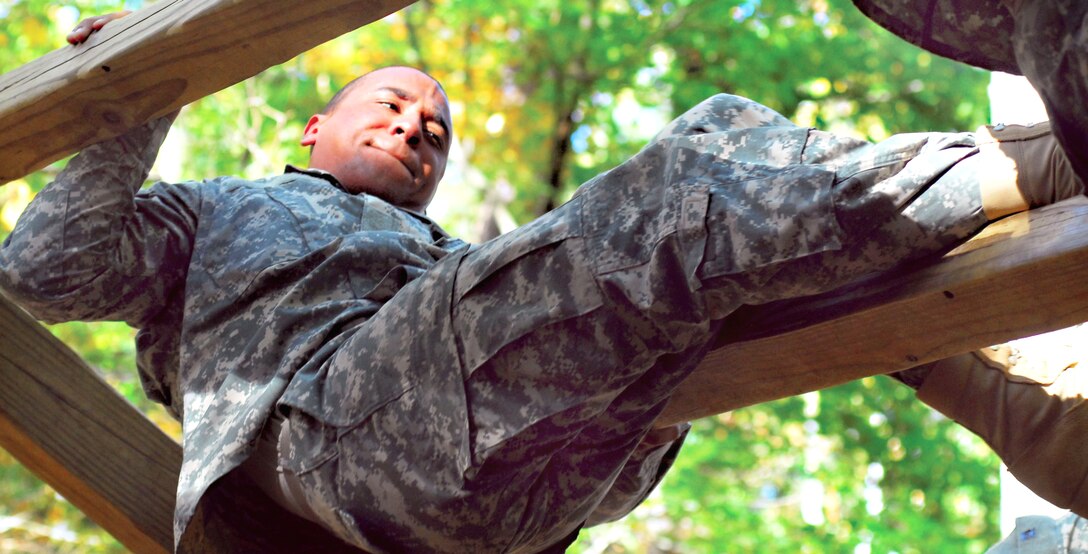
pixel 389 163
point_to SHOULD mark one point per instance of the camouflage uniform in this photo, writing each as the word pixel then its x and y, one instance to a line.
pixel 1045 40
pixel 441 397
pixel 1044 535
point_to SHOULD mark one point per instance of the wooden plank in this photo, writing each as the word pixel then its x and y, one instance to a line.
pixel 67 425
pixel 1023 275
pixel 154 61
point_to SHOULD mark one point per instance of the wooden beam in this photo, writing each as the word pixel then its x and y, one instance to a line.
pixel 1023 275
pixel 67 425
pixel 154 61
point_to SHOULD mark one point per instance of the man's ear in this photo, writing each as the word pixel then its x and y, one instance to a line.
pixel 309 135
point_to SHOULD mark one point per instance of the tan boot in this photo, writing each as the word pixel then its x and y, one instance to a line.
pixel 1034 415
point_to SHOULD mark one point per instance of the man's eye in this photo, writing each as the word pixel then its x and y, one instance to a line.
pixel 391 106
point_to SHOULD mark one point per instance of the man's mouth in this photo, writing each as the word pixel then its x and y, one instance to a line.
pixel 402 158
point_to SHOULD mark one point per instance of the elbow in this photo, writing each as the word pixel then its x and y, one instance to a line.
pixel 27 293
pixel 36 283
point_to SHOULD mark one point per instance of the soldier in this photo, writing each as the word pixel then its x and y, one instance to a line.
pixel 318 333
pixel 1047 42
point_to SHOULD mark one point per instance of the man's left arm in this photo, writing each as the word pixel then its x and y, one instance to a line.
pixel 88 247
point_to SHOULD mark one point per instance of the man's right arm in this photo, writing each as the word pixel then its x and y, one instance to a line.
pixel 88 248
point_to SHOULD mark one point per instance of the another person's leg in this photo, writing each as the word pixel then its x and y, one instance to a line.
pixel 1051 45
pixel 1033 413
pixel 1045 40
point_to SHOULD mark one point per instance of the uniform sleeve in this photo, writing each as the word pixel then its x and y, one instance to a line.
pixel 88 247
pixel 638 478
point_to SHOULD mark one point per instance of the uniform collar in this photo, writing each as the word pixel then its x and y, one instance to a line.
pixel 319 173
pixel 332 180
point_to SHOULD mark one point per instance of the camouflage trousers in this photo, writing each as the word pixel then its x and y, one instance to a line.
pixel 1051 45
pixel 520 375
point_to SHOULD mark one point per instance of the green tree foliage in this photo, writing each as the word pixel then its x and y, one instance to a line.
pixel 547 93
pixel 857 468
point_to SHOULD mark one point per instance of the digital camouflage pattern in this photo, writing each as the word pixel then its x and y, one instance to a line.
pixel 1045 40
pixel 1044 535
pixel 970 31
pixel 277 278
pixel 1051 44
pixel 440 397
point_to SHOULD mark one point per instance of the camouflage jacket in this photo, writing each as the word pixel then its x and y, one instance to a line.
pixel 241 290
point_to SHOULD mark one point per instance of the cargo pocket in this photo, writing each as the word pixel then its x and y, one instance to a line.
pixel 361 375
pixel 779 215
pixel 632 209
pixel 722 204
pixel 533 276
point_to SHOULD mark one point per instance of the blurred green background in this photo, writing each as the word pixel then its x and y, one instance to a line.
pixel 546 94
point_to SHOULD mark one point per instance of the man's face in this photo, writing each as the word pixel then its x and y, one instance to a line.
pixel 389 136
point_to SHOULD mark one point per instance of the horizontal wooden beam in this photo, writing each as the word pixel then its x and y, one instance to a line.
pixel 1023 275
pixel 154 61
pixel 68 426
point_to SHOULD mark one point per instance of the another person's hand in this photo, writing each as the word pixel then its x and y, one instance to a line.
pixel 88 26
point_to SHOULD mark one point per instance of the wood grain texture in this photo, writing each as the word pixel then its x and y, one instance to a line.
pixel 68 426
pixel 1023 275
pixel 154 61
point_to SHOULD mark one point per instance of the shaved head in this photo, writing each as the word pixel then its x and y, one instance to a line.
pixel 362 79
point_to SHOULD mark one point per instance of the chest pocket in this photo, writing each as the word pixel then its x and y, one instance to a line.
pixel 251 233
pixel 767 219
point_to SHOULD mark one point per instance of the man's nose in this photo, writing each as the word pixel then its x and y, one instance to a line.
pixel 408 129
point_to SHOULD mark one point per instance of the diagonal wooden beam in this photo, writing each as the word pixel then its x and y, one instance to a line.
pixel 1023 275
pixel 154 61
pixel 67 425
